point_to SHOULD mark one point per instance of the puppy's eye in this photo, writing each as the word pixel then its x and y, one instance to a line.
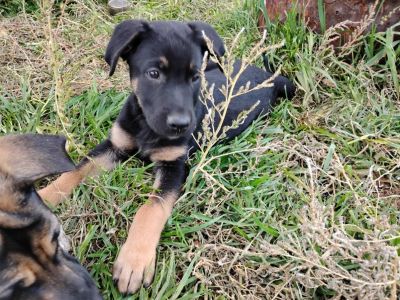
pixel 154 74
pixel 195 77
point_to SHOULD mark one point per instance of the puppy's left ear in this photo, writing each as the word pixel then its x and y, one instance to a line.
pixel 217 44
pixel 29 157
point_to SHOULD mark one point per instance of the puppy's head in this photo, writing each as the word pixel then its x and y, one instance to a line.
pixel 32 264
pixel 164 62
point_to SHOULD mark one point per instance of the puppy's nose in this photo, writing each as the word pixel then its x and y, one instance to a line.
pixel 178 122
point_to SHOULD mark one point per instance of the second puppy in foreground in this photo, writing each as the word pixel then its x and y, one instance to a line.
pixel 158 120
pixel 33 263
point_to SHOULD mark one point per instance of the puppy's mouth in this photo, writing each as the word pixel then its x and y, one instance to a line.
pixel 173 137
pixel 177 134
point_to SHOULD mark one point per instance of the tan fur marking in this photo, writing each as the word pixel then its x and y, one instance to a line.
pixel 48 247
pixel 8 202
pixel 138 254
pixel 8 196
pixel 29 277
pixel 170 153
pixel 164 61
pixel 43 244
pixel 151 217
pixel 25 271
pixel 62 187
pixel 11 150
pixel 121 139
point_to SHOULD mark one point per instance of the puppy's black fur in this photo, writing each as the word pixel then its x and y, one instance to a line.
pixel 175 93
pixel 32 263
pixel 160 116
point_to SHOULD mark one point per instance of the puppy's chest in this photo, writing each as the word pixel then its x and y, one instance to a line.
pixel 152 147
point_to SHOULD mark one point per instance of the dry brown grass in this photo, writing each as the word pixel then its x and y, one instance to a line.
pixel 65 53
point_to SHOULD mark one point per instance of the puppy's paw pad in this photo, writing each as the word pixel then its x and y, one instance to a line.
pixel 134 266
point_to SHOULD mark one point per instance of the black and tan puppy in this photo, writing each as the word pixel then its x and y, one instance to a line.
pixel 32 263
pixel 158 120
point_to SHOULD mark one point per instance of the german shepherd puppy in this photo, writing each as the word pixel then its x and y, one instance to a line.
pixel 32 263
pixel 158 121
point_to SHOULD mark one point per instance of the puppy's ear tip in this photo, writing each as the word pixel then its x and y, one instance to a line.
pixel 29 157
pixel 199 27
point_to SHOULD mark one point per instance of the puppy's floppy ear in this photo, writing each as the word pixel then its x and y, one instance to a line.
pixel 217 43
pixel 29 157
pixel 125 37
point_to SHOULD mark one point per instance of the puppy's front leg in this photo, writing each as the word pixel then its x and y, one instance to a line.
pixel 104 156
pixel 136 261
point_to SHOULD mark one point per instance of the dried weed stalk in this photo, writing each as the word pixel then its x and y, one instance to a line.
pixel 213 123
pixel 61 50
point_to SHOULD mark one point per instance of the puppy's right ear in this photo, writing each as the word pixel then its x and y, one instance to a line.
pixel 125 37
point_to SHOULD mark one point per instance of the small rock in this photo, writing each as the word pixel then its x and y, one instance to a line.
pixel 117 6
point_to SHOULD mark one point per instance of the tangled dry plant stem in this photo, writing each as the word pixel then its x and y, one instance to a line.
pixel 230 92
pixel 319 231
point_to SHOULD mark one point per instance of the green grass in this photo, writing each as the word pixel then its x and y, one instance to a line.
pixel 304 205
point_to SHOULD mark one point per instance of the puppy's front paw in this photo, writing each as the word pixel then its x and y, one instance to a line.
pixel 51 195
pixel 135 265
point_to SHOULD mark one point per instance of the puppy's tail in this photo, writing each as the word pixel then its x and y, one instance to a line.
pixel 284 87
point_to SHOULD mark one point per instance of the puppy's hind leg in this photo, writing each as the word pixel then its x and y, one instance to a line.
pixel 104 156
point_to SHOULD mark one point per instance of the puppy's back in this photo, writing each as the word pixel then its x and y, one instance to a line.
pixel 255 103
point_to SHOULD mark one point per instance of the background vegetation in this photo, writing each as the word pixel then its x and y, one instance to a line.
pixel 304 205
